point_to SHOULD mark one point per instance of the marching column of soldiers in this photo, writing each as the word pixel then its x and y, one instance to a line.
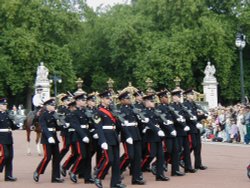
pixel 152 135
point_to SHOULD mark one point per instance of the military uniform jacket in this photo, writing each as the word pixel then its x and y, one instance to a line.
pixel 107 126
pixel 63 110
pixel 91 112
pixel 191 107
pixel 49 126
pixel 132 119
pixel 179 126
pixel 169 116
pixel 7 125
pixel 152 127
pixel 140 124
pixel 80 122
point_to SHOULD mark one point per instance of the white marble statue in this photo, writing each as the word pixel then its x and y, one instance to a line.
pixel 42 72
pixel 209 71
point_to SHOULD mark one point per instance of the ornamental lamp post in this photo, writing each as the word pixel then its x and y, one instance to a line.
pixel 240 43
pixel 55 79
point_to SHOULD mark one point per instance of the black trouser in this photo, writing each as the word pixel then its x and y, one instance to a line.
pixel 65 147
pixel 6 158
pixel 154 150
pixel 195 145
pixel 72 158
pixel 49 151
pixel 111 158
pixel 96 149
pixel 183 148
pixel 132 155
pixel 171 154
pixel 82 164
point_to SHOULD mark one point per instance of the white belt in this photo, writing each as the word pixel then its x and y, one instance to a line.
pixel 132 124
pixel 111 127
pixel 84 126
pixel 52 129
pixel 5 130
pixel 71 130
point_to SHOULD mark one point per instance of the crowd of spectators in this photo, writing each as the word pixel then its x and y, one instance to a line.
pixel 228 124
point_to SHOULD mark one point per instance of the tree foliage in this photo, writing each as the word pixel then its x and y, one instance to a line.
pixel 160 39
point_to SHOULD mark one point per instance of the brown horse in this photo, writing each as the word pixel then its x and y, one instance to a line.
pixel 31 124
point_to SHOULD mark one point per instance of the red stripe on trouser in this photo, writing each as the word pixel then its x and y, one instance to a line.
pixel 2 151
pixel 79 158
pixel 64 143
pixel 165 149
pixel 190 141
pixel 126 155
pixel 105 164
pixel 100 160
pixel 45 158
pixel 69 158
pixel 147 156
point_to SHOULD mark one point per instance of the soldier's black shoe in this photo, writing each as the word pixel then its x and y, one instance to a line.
pixel 10 178
pixel 201 167
pixel 138 182
pixel 98 183
pixel 153 169
pixel 190 170
pixel 36 177
pixel 63 171
pixel 162 178
pixel 57 180
pixel 177 173
pixel 73 177
pixel 182 164
pixel 89 181
pixel 119 185
pixel 165 167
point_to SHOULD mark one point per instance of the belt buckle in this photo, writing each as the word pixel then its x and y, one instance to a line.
pixel 113 127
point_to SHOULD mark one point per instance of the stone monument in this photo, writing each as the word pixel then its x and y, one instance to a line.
pixel 42 85
pixel 210 83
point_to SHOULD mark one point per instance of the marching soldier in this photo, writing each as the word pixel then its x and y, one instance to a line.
pixel 169 129
pixel 69 120
pixel 194 133
pixel 182 129
pixel 153 138
pixel 50 143
pixel 82 165
pixel 91 110
pixel 107 129
pixel 63 111
pixel 6 141
pixel 132 152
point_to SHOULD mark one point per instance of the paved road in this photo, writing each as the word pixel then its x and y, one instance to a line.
pixel 227 169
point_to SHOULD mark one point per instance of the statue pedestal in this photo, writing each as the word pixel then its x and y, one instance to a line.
pixel 210 91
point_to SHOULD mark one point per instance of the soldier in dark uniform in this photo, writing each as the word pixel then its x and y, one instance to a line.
pixel 107 128
pixel 194 134
pixel 63 111
pixel 70 135
pixel 91 110
pixel 132 151
pixel 6 141
pixel 182 128
pixel 81 137
pixel 171 153
pixel 138 105
pixel 50 143
pixel 153 138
